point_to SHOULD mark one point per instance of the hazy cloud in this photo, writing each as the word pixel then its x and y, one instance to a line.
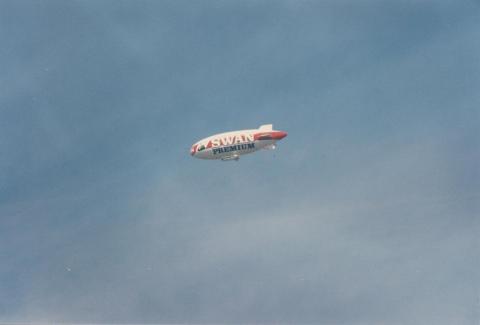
pixel 366 213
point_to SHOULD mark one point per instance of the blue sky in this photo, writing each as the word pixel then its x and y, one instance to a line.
pixel 366 213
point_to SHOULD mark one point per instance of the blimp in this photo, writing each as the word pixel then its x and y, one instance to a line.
pixel 232 145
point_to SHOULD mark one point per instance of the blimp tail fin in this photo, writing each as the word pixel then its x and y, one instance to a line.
pixel 266 127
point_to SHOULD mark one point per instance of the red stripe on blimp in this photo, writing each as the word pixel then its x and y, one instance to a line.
pixel 274 135
pixel 193 149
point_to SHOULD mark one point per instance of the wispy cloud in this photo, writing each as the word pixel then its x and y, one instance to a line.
pixel 366 213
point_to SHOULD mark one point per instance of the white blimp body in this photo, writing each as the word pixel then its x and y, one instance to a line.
pixel 231 145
